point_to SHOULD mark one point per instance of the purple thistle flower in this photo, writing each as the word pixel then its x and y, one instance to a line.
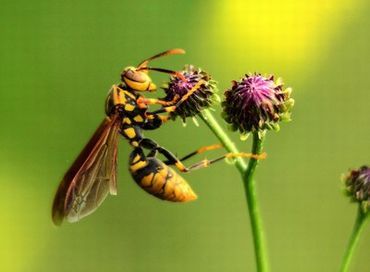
pixel 357 184
pixel 202 98
pixel 257 103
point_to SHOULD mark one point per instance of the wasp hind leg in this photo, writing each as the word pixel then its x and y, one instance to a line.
pixel 205 163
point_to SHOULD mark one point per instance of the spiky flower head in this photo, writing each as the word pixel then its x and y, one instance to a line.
pixel 257 103
pixel 195 86
pixel 357 184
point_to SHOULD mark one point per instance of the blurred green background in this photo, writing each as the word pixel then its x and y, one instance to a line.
pixel 58 60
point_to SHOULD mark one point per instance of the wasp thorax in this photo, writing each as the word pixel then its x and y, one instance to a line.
pixel 137 80
pixel 115 100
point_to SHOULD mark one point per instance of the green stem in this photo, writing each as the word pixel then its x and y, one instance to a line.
pixel 355 237
pixel 212 123
pixel 254 212
pixel 247 173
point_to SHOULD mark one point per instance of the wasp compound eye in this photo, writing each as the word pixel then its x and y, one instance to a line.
pixel 257 103
pixel 194 87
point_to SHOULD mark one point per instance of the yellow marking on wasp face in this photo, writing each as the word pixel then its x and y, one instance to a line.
pixel 126 120
pixel 147 180
pixel 137 86
pixel 138 118
pixel 129 107
pixel 138 165
pixel 129 94
pixel 130 132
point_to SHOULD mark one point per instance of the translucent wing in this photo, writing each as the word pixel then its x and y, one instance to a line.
pixel 91 177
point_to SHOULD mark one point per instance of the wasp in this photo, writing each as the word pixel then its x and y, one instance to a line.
pixel 92 176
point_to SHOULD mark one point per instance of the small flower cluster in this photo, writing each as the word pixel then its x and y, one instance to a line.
pixel 357 183
pixel 191 78
pixel 257 103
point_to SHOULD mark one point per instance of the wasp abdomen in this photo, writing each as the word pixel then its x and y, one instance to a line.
pixel 161 181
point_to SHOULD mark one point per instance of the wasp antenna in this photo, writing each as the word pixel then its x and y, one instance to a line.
pixel 175 51
pixel 167 71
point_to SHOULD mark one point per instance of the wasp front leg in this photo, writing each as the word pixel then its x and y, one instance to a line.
pixel 162 110
pixel 153 119
pixel 144 102
pixel 168 106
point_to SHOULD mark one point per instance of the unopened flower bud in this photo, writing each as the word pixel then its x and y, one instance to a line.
pixel 257 103
pixel 357 184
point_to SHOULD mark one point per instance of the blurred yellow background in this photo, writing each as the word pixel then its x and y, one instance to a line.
pixel 58 60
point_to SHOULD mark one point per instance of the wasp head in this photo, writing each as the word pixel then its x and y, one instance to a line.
pixel 138 80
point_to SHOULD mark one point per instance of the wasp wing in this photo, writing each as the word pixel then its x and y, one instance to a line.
pixel 91 177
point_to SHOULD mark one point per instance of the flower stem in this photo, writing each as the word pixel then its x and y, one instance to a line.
pixel 355 237
pixel 247 173
pixel 254 213
pixel 212 123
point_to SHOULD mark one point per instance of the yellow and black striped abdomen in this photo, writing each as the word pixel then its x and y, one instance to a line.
pixel 161 181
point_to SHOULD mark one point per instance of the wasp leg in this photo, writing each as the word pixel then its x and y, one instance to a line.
pixel 163 110
pixel 191 91
pixel 154 121
pixel 170 109
pixel 205 163
pixel 148 144
pixel 171 158
pixel 152 153
pixel 143 101
pixel 199 151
